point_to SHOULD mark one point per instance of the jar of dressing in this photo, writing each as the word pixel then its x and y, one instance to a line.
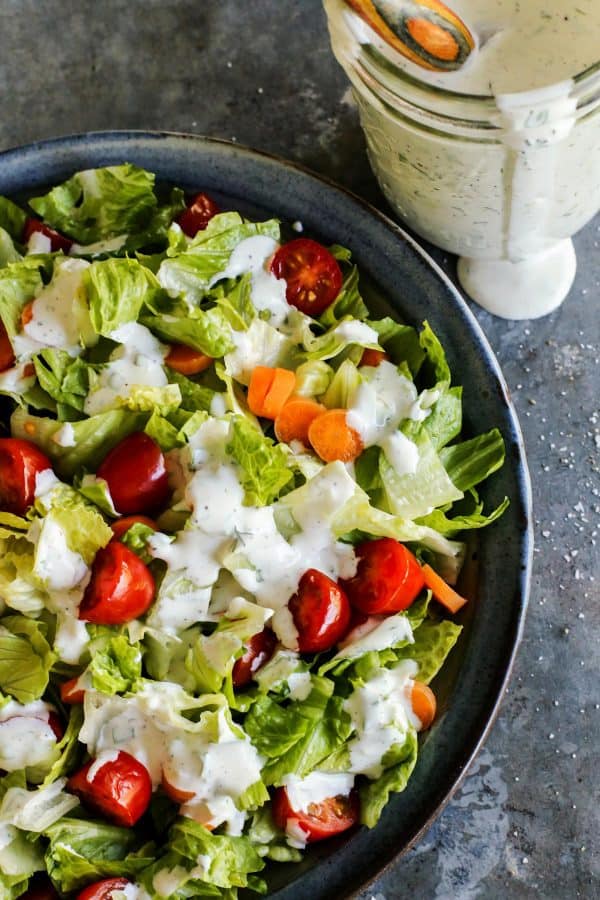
pixel 498 161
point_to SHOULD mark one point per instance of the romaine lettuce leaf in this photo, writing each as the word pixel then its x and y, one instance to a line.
pixel 99 203
pixel 201 860
pixel 8 251
pixel 19 587
pixel 26 658
pixel 348 302
pixel 12 218
pixel 433 643
pixel 444 422
pixel 65 379
pixel 472 461
pixel 399 763
pixel 69 748
pixel 84 528
pixel 435 368
pixel 19 283
pixel 81 852
pixel 264 466
pixel 116 664
pixel 116 291
pixel 93 437
pixel 400 342
pixel 208 330
pixel 451 526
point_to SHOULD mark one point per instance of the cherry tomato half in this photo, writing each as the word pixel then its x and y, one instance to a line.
pixel 20 463
pixel 321 820
pixel 57 241
pixel 372 357
pixel 122 526
pixel 103 890
pixel 177 795
pixel 321 612
pixel 120 790
pixel 7 357
pixel 313 276
pixel 197 215
pixel 136 475
pixel 121 587
pixel 70 692
pixel 388 577
pixel 259 650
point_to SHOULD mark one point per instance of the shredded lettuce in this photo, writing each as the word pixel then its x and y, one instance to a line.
pixel 26 658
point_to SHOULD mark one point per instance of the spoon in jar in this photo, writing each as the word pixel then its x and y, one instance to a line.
pixel 424 31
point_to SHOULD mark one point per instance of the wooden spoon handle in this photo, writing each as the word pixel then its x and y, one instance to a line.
pixel 424 31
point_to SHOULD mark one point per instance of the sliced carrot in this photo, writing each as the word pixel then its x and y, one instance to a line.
pixel 269 389
pixel 27 314
pixel 442 592
pixel 372 357
pixel 70 692
pixel 186 360
pixel 295 419
pixel 333 439
pixel 7 357
pixel 423 703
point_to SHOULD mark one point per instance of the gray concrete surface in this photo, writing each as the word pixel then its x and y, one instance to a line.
pixel 525 823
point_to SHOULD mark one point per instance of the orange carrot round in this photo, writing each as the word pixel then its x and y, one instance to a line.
pixel 269 389
pixel 295 418
pixel 27 314
pixel 186 360
pixel 423 703
pixel 442 592
pixel 372 357
pixel 333 439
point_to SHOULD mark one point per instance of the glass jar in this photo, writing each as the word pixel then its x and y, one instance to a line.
pixel 503 182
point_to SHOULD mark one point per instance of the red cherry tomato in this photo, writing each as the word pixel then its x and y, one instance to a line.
pixel 120 790
pixel 121 587
pixel 197 215
pixel 20 463
pixel 321 612
pixel 57 241
pixel 372 357
pixel 7 357
pixel 56 725
pixel 136 475
pixel 388 577
pixel 321 820
pixel 122 526
pixel 259 650
pixel 70 692
pixel 313 276
pixel 102 890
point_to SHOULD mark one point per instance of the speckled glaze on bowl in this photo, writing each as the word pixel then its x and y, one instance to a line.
pixel 395 268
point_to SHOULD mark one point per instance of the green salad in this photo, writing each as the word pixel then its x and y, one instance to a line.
pixel 232 519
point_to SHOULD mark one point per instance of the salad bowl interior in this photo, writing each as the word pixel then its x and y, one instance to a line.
pixel 398 279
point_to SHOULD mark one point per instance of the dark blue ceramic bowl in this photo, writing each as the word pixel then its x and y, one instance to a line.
pixel 414 288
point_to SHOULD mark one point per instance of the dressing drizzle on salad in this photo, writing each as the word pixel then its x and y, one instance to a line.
pixel 231 511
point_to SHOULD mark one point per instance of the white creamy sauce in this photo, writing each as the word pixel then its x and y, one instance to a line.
pixel 355 332
pixel 382 716
pixel 71 637
pixel 382 400
pixel 138 361
pixel 55 321
pixel 45 482
pixel 268 292
pixel 389 632
pixel 259 345
pixel 133 892
pixel 65 436
pixel 315 788
pixel 300 685
pixel 216 769
pixel 15 380
pixel 26 738
pixel 56 565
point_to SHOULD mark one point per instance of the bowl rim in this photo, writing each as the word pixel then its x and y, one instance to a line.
pixel 93 141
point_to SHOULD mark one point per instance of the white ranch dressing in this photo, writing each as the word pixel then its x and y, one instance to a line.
pixel 26 737
pixel 260 345
pixel 382 400
pixel 389 632
pixel 137 362
pixel 382 716
pixel 110 245
pixel 267 292
pixel 316 787
pixel 38 243
pixel 57 566
pixel 56 322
